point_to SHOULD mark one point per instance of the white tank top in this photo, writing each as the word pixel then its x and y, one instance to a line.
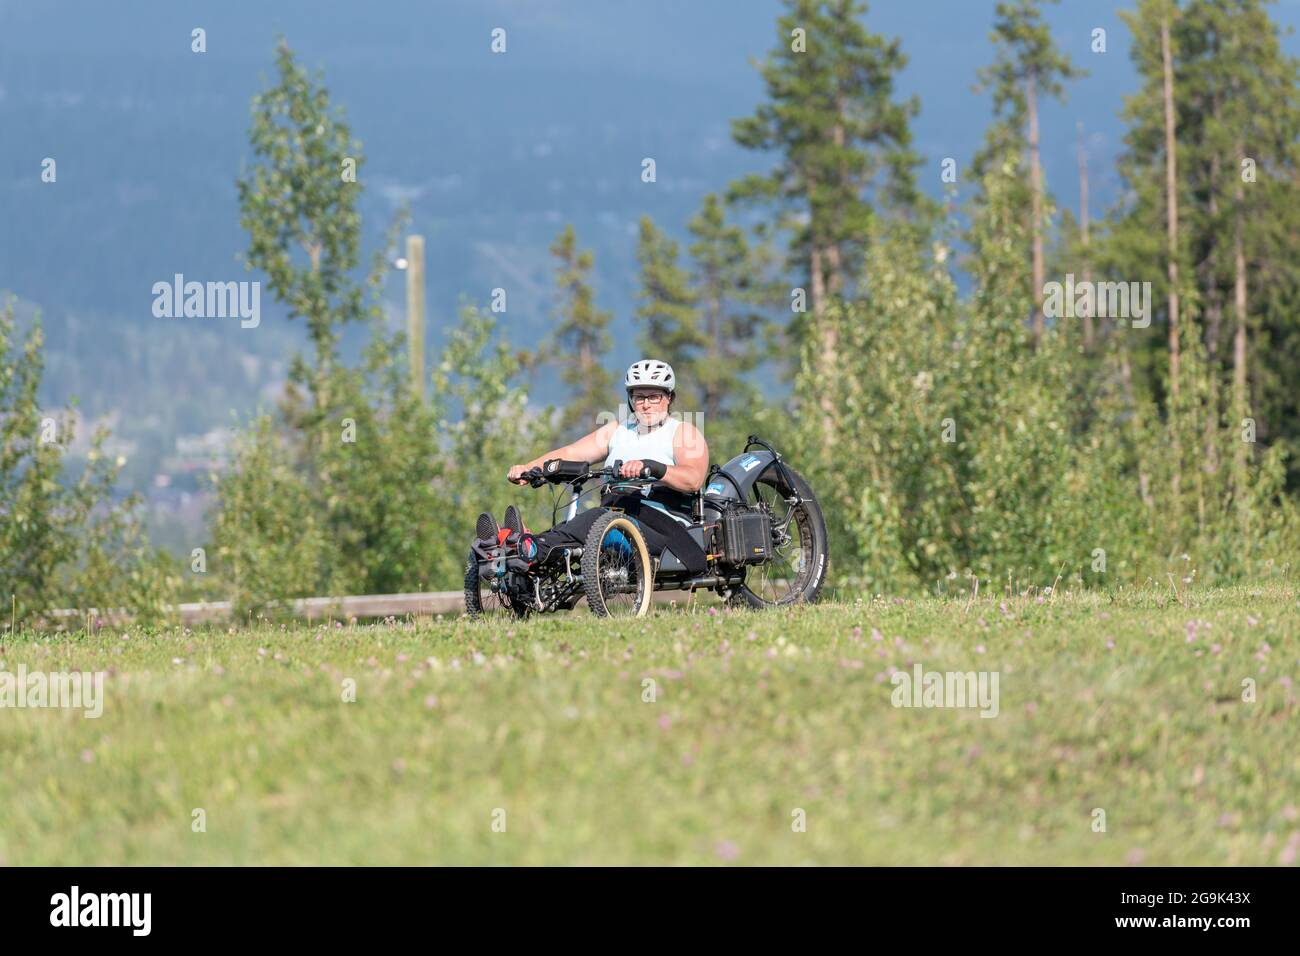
pixel 627 443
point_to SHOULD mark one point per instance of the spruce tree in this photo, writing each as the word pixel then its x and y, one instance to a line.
pixel 1026 66
pixel 669 313
pixel 581 337
pixel 843 141
pixel 731 291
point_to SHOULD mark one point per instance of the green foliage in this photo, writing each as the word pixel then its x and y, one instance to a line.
pixel 831 115
pixel 1024 54
pixel 959 448
pixel 485 427
pixel 964 451
pixel 1233 97
pixel 384 503
pixel 734 288
pixel 299 207
pixel 1239 154
pixel 708 324
pixel 270 536
pixel 64 542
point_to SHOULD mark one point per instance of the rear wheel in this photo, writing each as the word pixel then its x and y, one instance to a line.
pixel 616 574
pixel 797 571
pixel 483 603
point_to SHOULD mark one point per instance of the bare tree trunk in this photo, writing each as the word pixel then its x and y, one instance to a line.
pixel 1126 379
pixel 712 399
pixel 1240 399
pixel 1214 323
pixel 834 271
pixel 1171 203
pixel 1083 234
pixel 834 267
pixel 826 342
pixel 817 279
pixel 415 314
pixel 319 332
pixel 831 338
pixel 1036 188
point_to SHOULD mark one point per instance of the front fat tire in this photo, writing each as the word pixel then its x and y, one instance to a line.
pixel 591 565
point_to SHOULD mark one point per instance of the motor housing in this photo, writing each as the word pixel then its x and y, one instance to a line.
pixel 746 535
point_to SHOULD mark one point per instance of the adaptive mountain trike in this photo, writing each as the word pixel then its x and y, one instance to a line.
pixel 756 536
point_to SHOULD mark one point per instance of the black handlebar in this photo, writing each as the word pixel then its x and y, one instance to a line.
pixel 559 472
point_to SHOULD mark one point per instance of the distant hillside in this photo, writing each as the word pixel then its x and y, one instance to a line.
pixel 495 153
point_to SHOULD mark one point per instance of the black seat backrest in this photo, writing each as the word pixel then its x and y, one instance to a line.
pixel 683 503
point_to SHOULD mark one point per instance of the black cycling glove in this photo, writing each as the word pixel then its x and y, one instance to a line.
pixel 653 469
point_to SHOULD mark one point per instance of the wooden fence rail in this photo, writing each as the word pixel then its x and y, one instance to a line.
pixel 322 608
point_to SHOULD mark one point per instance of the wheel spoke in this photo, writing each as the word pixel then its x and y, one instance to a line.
pixel 783 576
pixel 482 602
pixel 620 575
pixel 494 603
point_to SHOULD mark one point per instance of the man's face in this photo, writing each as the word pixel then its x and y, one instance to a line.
pixel 649 405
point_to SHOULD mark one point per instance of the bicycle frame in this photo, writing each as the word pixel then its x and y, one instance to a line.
pixel 576 493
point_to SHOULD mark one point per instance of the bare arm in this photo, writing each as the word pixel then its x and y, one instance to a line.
pixel 691 452
pixel 592 448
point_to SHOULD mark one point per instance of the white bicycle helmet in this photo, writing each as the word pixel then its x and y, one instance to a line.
pixel 650 373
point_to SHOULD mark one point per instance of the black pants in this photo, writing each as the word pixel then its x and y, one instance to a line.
pixel 573 533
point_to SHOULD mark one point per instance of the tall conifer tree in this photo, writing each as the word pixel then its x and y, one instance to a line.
pixel 581 338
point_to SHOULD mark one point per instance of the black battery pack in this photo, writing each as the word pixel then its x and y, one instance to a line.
pixel 746 536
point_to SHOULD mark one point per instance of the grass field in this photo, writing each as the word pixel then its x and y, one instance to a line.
pixel 1132 705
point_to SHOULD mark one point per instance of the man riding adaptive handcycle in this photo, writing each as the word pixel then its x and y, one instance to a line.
pixel 754 533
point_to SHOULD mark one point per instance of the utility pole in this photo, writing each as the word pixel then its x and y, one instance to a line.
pixel 1083 232
pixel 415 312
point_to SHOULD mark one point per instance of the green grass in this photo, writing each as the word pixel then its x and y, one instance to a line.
pixel 756 715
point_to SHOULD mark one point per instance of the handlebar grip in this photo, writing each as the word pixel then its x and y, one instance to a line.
pixel 559 471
